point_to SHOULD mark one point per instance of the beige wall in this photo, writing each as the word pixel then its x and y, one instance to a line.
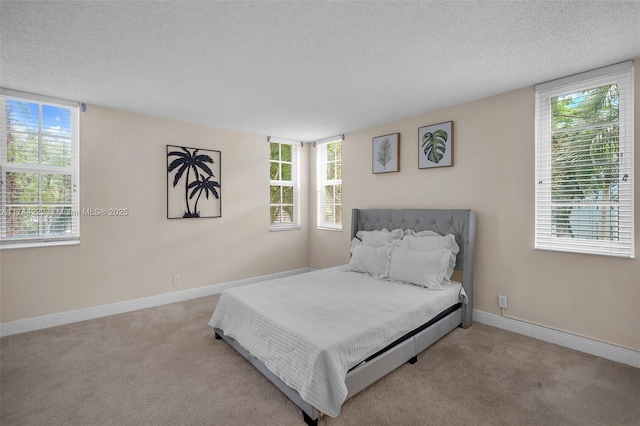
pixel 123 164
pixel 493 174
pixel 119 259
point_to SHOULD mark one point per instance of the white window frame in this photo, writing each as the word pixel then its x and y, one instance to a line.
pixel 294 183
pixel 42 240
pixel 322 163
pixel 545 238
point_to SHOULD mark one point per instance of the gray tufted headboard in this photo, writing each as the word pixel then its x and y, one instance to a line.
pixel 460 223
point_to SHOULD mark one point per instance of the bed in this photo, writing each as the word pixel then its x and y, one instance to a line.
pixel 323 336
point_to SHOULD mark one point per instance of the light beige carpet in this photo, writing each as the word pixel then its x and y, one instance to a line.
pixel 161 366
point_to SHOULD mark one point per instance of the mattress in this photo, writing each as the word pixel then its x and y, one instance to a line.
pixel 310 329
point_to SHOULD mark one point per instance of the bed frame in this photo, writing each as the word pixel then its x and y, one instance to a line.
pixel 460 223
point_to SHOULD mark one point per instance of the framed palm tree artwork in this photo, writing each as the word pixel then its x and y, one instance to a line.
pixel 193 183
pixel 386 153
pixel 435 145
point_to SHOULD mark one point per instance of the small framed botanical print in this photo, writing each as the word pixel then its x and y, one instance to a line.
pixel 386 153
pixel 435 145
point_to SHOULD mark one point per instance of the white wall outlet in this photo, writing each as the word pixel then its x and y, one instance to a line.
pixel 502 301
pixel 176 280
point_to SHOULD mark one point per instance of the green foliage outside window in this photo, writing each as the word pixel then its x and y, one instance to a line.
pixel 37 203
pixel 585 163
pixel 281 190
pixel 331 201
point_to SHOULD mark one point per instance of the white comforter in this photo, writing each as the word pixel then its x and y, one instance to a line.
pixel 310 329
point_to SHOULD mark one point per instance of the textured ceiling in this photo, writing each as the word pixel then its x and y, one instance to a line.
pixel 303 70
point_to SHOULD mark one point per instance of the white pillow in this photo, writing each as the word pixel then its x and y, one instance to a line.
pixel 370 260
pixel 355 242
pixel 425 233
pixel 423 268
pixel 429 243
pixel 376 238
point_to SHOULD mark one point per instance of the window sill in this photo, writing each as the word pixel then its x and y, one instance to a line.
pixel 326 228
pixel 623 252
pixel 285 228
pixel 4 246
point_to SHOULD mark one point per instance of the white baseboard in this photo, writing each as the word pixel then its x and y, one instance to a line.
pixel 568 340
pixel 46 321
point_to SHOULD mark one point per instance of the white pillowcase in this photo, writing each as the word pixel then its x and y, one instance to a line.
pixel 425 233
pixel 355 242
pixel 430 243
pixel 423 268
pixel 369 259
pixel 377 238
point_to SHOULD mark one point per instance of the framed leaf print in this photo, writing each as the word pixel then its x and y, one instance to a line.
pixel 435 145
pixel 386 153
pixel 193 183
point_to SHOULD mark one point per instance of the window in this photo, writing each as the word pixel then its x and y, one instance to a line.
pixel 584 163
pixel 39 193
pixel 329 181
pixel 283 190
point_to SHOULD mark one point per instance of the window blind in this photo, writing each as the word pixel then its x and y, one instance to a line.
pixel 329 183
pixel 584 163
pixel 284 188
pixel 39 170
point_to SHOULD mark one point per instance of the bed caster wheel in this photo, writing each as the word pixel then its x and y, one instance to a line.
pixel 217 336
pixel 413 360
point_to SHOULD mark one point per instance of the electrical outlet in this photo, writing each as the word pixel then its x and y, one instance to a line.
pixel 502 301
pixel 176 280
